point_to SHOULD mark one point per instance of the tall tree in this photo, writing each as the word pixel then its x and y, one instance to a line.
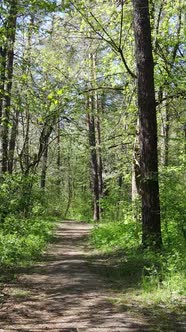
pixel 91 106
pixel 9 56
pixel 151 226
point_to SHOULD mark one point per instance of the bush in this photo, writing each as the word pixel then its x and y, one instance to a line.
pixel 173 205
pixel 116 235
pixel 163 271
pixel 23 240
pixel 20 195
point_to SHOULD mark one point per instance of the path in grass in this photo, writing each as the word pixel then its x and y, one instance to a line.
pixel 65 293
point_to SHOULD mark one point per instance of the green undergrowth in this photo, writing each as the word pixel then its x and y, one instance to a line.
pixel 145 277
pixel 23 240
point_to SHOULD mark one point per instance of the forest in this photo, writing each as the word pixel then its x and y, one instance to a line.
pixel 93 129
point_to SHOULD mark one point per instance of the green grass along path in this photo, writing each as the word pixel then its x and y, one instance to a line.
pixel 66 292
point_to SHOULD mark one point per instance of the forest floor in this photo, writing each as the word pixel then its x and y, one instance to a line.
pixel 68 292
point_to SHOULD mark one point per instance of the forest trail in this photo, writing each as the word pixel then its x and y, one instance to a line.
pixel 64 293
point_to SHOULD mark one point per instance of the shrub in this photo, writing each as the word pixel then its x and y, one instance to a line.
pixel 23 240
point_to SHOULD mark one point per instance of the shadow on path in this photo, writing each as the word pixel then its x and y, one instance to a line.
pixel 66 292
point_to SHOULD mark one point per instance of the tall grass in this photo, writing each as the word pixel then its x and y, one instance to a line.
pixel 23 240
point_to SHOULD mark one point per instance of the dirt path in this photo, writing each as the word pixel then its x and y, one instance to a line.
pixel 64 294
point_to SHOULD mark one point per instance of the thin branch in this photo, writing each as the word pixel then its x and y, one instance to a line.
pixel 91 25
pixel 103 88
pixel 119 145
pixel 158 24
pixel 178 35
pixel 110 41
pixel 121 24
pixel 125 63
pixel 179 94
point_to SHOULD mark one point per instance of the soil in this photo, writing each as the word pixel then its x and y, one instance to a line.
pixel 64 293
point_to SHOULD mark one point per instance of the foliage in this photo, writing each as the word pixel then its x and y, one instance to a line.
pixel 50 85
pixel 153 273
pixel 116 235
pixel 173 205
pixel 23 240
pixel 24 230
pixel 20 195
pixel 80 208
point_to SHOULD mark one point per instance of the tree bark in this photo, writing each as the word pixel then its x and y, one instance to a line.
pixel 99 150
pixel 59 160
pixel 136 176
pixel 2 90
pixel 100 165
pixel 98 109
pixel 44 168
pixel 166 130
pixel 94 165
pixel 11 33
pixel 151 227
pixel 91 121
pixel 24 156
pixel 2 78
pixel 12 142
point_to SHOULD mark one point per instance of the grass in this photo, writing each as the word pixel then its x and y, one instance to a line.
pixel 16 292
pixel 145 282
pixel 23 240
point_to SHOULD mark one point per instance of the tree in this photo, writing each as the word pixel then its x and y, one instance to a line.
pixel 91 107
pixel 78 68
pixel 7 63
pixel 151 227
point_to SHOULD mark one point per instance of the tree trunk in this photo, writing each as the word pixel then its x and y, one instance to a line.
pixel 94 165
pixel 2 78
pixel 59 180
pixel 69 183
pixel 2 88
pixel 99 151
pixel 58 146
pixel 24 157
pixel 12 143
pixel 166 129
pixel 91 107
pixel 44 168
pixel 11 33
pixel 184 133
pixel 151 228
pixel 136 175
pixel 99 141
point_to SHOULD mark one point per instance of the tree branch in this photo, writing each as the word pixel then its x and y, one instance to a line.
pixel 117 49
pixel 103 87
pixel 179 94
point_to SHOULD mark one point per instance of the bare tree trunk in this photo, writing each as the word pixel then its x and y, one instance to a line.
pixel 98 109
pixel 12 142
pixel 136 176
pixel 2 90
pixel 58 146
pixel 58 156
pixel 151 228
pixel 91 106
pixel 11 33
pixel 24 155
pixel 44 168
pixel 70 185
pixel 2 78
pixel 166 128
pixel 94 165
pixel 99 151
pixel 184 133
